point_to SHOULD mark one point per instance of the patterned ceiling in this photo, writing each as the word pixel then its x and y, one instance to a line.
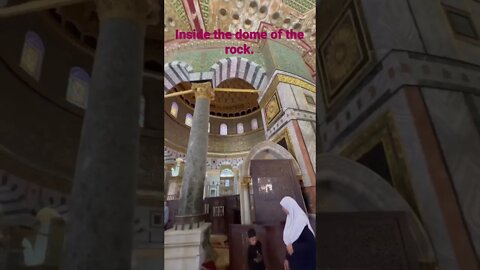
pixel 80 21
pixel 233 15
pixel 226 104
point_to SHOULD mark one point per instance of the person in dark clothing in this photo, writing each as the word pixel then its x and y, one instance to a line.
pixel 299 238
pixel 254 253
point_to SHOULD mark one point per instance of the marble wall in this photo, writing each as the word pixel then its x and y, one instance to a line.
pixel 293 120
pixel 415 53
pixel 459 138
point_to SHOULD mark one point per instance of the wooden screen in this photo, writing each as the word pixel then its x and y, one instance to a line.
pixel 272 180
pixel 221 212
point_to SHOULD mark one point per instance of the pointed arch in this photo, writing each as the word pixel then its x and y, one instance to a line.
pixel 272 148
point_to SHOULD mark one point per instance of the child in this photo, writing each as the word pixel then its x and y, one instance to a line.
pixel 255 256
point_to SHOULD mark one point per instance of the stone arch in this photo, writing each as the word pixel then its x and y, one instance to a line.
pixel 239 67
pixel 274 150
pixel 174 73
pixel 371 193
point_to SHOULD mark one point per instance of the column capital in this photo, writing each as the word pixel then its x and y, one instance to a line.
pixel 203 90
pixel 141 11
pixel 246 181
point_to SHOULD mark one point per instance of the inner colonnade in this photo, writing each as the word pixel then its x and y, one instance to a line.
pixel 209 193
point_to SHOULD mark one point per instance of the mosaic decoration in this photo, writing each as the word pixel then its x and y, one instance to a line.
pixel 343 54
pixel 32 55
pixel 205 7
pixel 273 109
pixel 78 85
pixel 302 6
pixel 175 18
pixel 298 82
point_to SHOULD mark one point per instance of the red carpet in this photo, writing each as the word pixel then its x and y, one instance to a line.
pixel 209 265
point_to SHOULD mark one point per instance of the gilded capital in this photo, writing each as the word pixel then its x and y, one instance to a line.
pixel 142 11
pixel 246 181
pixel 203 90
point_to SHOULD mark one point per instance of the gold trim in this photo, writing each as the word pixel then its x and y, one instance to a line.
pixel 283 78
pixel 297 82
pixel 285 133
pixel 246 181
pixel 384 131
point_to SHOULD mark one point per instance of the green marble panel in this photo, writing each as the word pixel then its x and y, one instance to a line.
pixel 283 58
pixel 202 60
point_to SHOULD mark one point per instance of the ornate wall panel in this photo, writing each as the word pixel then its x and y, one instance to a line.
pixel 343 54
pixel 273 110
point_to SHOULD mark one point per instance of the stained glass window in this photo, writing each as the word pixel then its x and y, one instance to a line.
pixel 174 109
pixel 188 120
pixel 78 85
pixel 254 123
pixel 240 128
pixel 223 129
pixel 32 55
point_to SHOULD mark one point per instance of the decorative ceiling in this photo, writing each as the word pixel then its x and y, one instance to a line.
pixel 248 15
pixel 80 22
pixel 226 104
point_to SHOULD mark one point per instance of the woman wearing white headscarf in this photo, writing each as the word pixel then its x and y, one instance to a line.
pixel 299 237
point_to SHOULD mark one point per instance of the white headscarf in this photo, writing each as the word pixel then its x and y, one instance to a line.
pixel 296 221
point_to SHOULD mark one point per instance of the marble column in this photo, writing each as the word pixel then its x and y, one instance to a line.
pixel 246 207
pixel 191 209
pixel 100 220
pixel 235 181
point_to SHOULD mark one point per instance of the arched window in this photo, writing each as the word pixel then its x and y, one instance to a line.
pixel 32 55
pixel 141 120
pixel 77 89
pixel 223 129
pixel 188 120
pixel 254 123
pixel 240 128
pixel 174 109
pixel 227 173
